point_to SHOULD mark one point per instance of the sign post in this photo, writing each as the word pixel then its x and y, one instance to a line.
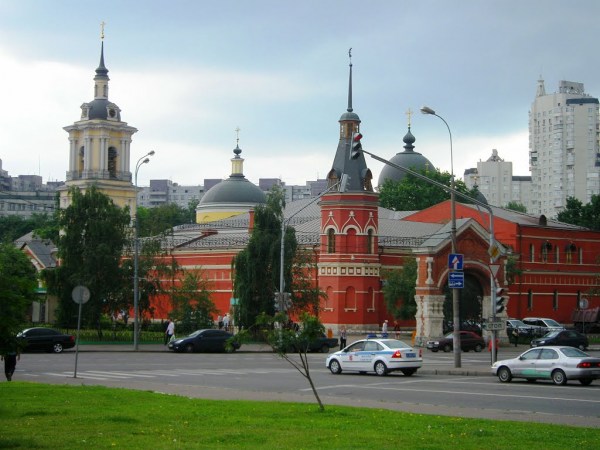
pixel 80 295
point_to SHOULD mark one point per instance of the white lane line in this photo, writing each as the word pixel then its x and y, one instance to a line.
pixel 483 394
pixel 117 374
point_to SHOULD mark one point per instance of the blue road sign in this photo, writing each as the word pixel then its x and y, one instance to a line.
pixel 456 280
pixel 455 261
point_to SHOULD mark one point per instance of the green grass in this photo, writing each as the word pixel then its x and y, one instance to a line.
pixel 40 416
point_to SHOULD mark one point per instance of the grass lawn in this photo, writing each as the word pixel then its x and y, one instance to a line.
pixel 41 416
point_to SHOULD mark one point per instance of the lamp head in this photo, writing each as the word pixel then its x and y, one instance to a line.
pixel 151 152
pixel 427 110
pixel 146 161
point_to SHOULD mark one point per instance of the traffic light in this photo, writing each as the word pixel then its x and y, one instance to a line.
pixel 500 300
pixel 277 302
pixel 287 301
pixel 356 145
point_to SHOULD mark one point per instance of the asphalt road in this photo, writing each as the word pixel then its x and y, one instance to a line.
pixel 256 374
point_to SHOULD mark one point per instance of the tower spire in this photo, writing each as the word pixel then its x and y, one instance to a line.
pixel 350 82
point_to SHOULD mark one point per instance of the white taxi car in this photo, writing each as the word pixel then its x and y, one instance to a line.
pixel 381 356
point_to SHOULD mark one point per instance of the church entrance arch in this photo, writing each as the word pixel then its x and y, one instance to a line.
pixel 470 298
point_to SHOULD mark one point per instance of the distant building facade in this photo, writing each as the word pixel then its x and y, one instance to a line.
pixel 25 195
pixel 564 154
pixel 495 181
pixel 162 192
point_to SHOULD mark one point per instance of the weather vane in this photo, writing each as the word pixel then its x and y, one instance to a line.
pixel 102 29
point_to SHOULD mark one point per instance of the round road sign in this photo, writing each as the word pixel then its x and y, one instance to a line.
pixel 80 294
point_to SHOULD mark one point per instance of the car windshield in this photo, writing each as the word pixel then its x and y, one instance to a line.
pixel 395 343
pixel 573 352
pixel 552 323
pixel 195 333
pixel 551 334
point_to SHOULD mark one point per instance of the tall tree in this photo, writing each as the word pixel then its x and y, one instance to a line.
pixel 414 194
pixel 399 290
pixel 257 266
pixel 576 213
pixel 17 290
pixel 95 231
pixel 192 306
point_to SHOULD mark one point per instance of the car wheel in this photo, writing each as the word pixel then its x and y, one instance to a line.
pixel 325 348
pixel 559 377
pixel 335 367
pixel 447 348
pixel 408 372
pixel 478 348
pixel 57 347
pixel 189 348
pixel 504 374
pixel 586 381
pixel 380 368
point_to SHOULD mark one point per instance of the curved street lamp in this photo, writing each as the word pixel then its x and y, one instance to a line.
pixel 136 250
pixel 455 294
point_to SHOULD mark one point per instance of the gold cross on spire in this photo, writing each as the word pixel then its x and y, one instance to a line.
pixel 409 114
pixel 237 132
pixel 102 29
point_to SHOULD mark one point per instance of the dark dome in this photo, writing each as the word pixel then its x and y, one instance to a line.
pixel 235 189
pixel 408 158
pixel 99 109
pixel 349 116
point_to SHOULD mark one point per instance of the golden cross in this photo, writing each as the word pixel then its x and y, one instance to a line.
pixel 409 114
pixel 237 132
pixel 102 29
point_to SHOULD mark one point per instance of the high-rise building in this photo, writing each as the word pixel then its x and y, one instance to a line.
pixel 495 181
pixel 564 155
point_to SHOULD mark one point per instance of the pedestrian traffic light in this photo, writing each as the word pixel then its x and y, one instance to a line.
pixel 356 145
pixel 500 300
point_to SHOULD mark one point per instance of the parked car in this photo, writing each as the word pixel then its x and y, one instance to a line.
pixel 556 363
pixel 543 322
pixel 524 331
pixel 208 340
pixel 381 356
pixel 571 338
pixel 468 341
pixel 45 339
pixel 321 344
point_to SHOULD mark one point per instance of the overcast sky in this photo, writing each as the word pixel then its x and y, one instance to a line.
pixel 186 74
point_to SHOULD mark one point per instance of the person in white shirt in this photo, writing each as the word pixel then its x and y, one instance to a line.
pixel 170 332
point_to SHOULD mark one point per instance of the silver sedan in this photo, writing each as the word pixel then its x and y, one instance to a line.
pixel 556 363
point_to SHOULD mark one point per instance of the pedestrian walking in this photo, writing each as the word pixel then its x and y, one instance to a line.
pixel 384 329
pixel 10 355
pixel 342 337
pixel 226 320
pixel 170 331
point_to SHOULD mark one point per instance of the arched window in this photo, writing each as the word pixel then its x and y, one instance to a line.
pixel 569 250
pixel 350 299
pixel 331 240
pixel 531 253
pixel 529 300
pixel 546 249
pixel 81 159
pixel 580 255
pixel 555 300
pixel 112 162
pixel 351 241
pixel 370 246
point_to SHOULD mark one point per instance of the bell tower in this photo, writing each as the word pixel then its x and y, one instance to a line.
pixel 349 265
pixel 99 147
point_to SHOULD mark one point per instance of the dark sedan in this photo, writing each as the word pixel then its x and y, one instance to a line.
pixel 571 338
pixel 468 341
pixel 45 339
pixel 208 340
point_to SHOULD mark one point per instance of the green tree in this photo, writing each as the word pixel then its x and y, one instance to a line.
pixel 576 213
pixel 307 294
pixel 399 290
pixel 95 231
pixel 414 194
pixel 158 220
pixel 257 266
pixel 516 206
pixel 191 302
pixel 43 225
pixel 17 290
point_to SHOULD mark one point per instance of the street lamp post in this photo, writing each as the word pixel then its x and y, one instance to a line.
pixel 136 251
pixel 455 293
